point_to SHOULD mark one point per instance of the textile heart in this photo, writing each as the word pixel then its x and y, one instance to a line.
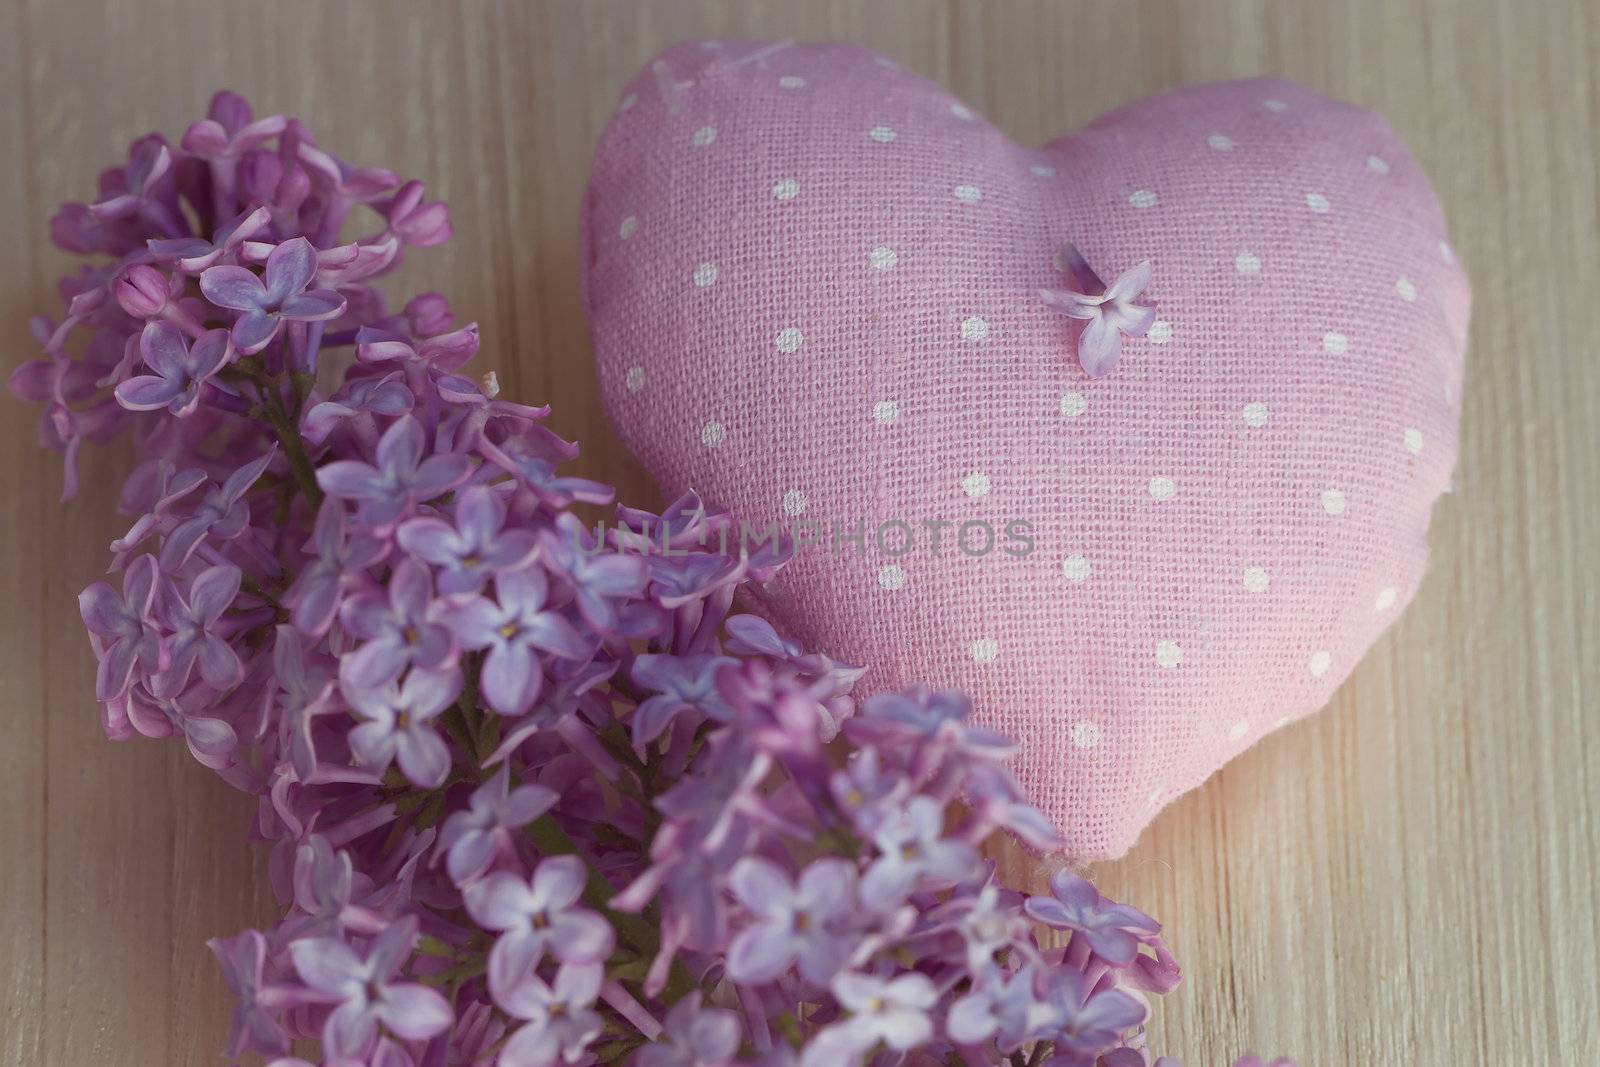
pixel 814 279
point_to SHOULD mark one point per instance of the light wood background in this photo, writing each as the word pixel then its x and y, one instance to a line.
pixel 1407 878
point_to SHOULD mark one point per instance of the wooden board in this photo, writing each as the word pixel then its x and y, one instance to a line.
pixel 1407 878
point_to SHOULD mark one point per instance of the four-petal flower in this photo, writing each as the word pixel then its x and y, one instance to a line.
pixel 1109 311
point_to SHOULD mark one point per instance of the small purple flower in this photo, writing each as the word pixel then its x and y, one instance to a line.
pixel 399 479
pixel 195 254
pixel 192 620
pixel 803 922
pixel 598 579
pixel 1113 931
pixel 211 741
pixel 536 916
pixel 181 370
pixel 402 627
pixel 866 790
pixel 282 297
pixel 892 1011
pixel 475 548
pixel 415 222
pixel 123 628
pixel 243 960
pixel 694 1037
pixel 938 719
pixel 1088 1020
pixel 229 132
pixel 514 627
pixel 681 683
pixel 560 1018
pixel 365 992
pixel 398 725
pixel 1002 1007
pixel 1110 311
pixel 222 514
pixel 539 475
pixel 314 597
pixel 914 854
pixel 472 839
pixel 358 405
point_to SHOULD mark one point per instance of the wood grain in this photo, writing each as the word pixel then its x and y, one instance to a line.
pixel 1407 878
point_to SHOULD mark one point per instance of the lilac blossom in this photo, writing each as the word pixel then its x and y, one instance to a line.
pixel 399 477
pixel 808 922
pixel 515 627
pixel 281 297
pixel 472 550
pixel 560 1021
pixel 473 838
pixel 123 627
pixel 680 684
pixel 401 628
pixel 365 992
pixel 1113 931
pixel 532 794
pixel 181 369
pixel 912 849
pixel 1110 312
pixel 536 916
pixel 398 724
pixel 694 1036
pixel 191 621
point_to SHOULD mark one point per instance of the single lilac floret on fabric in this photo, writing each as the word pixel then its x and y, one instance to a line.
pixel 1109 312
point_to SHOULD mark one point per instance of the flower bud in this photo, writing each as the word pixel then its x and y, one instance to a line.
pixel 142 291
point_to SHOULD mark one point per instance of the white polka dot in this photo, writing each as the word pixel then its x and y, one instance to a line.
pixel 1220 142
pixel 627 102
pixel 786 189
pixel 634 379
pixel 1378 164
pixel 961 111
pixel 1447 252
pixel 704 136
pixel 1278 724
pixel 1319 663
pixel 1237 731
pixel 1039 170
pixel 1247 263
pixel 1413 440
pixel 1073 404
pixel 891 576
pixel 705 274
pixel 1318 203
pixel 794 502
pixel 974 329
pixel 881 134
pixel 1386 598
pixel 1275 105
pixel 1406 288
pixel 1142 198
pixel 1255 579
pixel 1162 487
pixel 791 81
pixel 886 63
pixel 788 339
pixel 1255 414
pixel 968 194
pixel 629 227
pixel 1333 501
pixel 1160 332
pixel 711 434
pixel 885 411
pixel 975 484
pixel 1336 343
pixel 1075 568
pixel 1085 734
pixel 883 258
pixel 1168 654
pixel 984 650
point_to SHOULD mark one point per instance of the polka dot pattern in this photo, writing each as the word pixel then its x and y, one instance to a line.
pixel 1219 528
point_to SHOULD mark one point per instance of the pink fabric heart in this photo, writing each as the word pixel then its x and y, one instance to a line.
pixel 814 285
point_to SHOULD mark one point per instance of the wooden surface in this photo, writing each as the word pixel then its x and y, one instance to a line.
pixel 1407 878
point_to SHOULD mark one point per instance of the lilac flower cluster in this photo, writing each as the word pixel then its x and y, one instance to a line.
pixel 533 797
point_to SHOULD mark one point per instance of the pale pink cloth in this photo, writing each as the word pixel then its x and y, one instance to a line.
pixel 812 278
